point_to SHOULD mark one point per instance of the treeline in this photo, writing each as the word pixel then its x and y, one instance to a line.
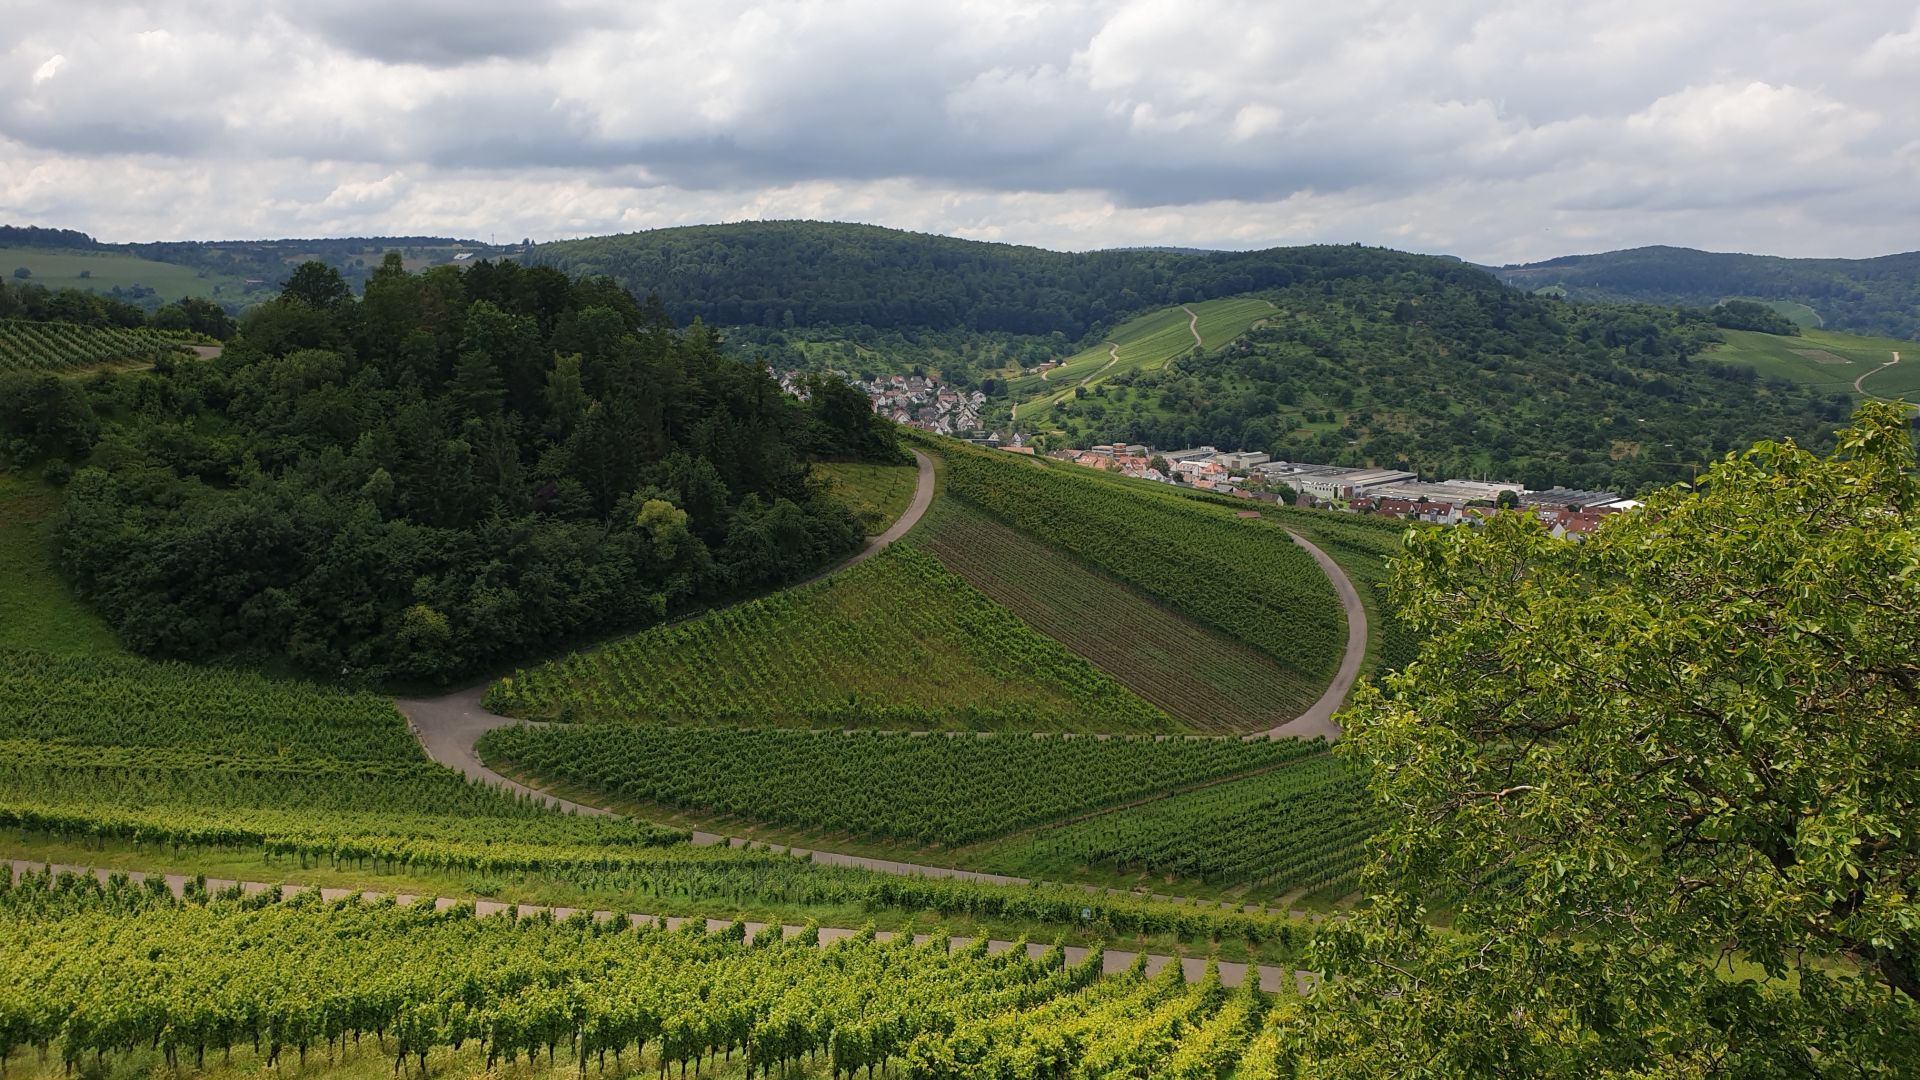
pixel 1871 296
pixel 1454 376
pixel 807 273
pixel 459 468
pixel 37 303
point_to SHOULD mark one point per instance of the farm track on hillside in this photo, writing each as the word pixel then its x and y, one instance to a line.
pixel 449 726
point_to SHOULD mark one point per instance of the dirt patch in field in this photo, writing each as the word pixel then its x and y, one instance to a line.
pixel 1820 356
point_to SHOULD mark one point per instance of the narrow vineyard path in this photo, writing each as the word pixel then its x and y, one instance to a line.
pixel 1193 325
pixel 1318 720
pixel 1113 962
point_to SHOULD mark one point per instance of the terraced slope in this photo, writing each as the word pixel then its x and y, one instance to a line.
pixel 898 641
pixel 1243 578
pixel 1194 673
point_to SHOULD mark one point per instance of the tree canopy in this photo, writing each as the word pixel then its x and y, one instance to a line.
pixel 457 469
pixel 1663 787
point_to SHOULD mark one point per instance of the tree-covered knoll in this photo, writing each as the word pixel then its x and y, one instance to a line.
pixel 1666 782
pixel 1456 375
pixel 460 468
pixel 1868 296
pixel 809 273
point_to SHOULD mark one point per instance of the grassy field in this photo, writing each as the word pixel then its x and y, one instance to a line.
pixel 1799 314
pixel 1196 674
pixel 895 642
pixel 105 271
pixel 37 610
pixel 1148 341
pixel 1827 360
pixel 877 494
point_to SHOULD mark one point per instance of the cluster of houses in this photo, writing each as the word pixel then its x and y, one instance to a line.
pixel 1386 492
pixel 920 401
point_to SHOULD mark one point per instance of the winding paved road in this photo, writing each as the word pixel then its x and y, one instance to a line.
pixel 1318 720
pixel 1113 962
pixel 448 726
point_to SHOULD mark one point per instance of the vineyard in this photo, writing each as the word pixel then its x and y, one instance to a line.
pixel 45 346
pixel 91 970
pixel 1362 545
pixel 939 789
pixel 896 642
pixel 1195 674
pixel 1240 577
pixel 122 701
pixel 1297 828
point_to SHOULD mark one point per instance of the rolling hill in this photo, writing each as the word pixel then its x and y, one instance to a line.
pixel 1456 375
pixel 1868 296
pixel 1140 344
pixel 810 273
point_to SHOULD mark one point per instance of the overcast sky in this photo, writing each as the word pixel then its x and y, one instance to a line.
pixel 1497 130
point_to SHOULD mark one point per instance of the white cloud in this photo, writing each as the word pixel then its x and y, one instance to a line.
pixel 1493 129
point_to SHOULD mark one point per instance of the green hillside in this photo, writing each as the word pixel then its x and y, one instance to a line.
pixel 1196 674
pixel 809 273
pixel 1827 361
pixel 896 642
pixel 1867 296
pixel 1239 577
pixel 1140 344
pixel 106 271
pixel 1454 376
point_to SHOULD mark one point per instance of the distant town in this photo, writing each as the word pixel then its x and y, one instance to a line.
pixel 1395 493
pixel 922 401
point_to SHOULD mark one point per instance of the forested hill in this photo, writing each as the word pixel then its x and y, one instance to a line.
pixel 1874 296
pixel 465 466
pixel 809 273
pixel 1460 377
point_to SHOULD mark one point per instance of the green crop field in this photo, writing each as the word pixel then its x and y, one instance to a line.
pixel 898 641
pixel 131 981
pixel 943 789
pixel 43 346
pixel 1299 828
pixel 1799 314
pixel 1243 578
pixel 1827 360
pixel 1196 674
pixel 105 271
pixel 37 609
pixel 1148 341
pixel 877 494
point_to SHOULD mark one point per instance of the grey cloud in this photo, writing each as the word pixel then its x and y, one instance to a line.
pixel 445 33
pixel 1247 120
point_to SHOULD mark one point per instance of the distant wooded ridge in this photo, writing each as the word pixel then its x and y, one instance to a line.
pixel 784 274
pixel 1871 296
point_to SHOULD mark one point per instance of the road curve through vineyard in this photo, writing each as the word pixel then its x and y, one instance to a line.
pixel 448 726
pixel 1318 720
pixel 1113 961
